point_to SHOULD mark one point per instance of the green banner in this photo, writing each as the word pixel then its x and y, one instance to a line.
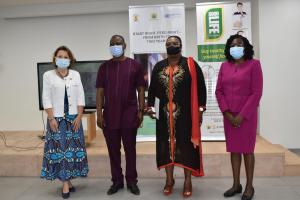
pixel 214 24
pixel 211 53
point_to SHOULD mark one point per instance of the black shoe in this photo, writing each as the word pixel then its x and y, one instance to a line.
pixel 65 195
pixel 245 197
pixel 72 189
pixel 231 192
pixel 134 189
pixel 114 188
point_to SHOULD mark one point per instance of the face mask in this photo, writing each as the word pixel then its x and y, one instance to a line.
pixel 237 52
pixel 116 50
pixel 171 50
pixel 62 63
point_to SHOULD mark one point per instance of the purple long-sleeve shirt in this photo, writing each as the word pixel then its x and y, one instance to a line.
pixel 120 80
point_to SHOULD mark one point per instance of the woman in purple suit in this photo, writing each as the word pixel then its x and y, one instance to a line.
pixel 238 91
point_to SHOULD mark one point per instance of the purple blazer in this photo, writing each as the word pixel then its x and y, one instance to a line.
pixel 239 88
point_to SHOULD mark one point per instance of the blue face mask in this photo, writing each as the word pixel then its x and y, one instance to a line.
pixel 116 50
pixel 237 52
pixel 62 63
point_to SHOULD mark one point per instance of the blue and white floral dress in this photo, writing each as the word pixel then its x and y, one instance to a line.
pixel 65 155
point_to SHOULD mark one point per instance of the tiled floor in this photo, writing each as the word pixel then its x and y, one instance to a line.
pixel 20 188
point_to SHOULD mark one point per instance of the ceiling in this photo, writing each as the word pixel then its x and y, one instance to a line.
pixel 6 3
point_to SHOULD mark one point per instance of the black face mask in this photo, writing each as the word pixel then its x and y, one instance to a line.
pixel 171 50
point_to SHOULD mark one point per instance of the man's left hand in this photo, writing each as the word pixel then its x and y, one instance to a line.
pixel 140 118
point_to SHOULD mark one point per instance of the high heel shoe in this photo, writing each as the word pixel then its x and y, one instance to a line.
pixel 168 189
pixel 65 195
pixel 72 189
pixel 245 197
pixel 231 192
pixel 187 191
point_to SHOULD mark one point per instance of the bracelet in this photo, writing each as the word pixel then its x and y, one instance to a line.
pixel 202 109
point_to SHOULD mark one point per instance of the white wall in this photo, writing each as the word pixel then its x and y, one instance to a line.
pixel 279 33
pixel 26 41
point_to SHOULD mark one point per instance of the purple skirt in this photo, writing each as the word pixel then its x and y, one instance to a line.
pixel 243 138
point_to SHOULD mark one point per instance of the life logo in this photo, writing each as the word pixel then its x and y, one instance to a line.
pixel 214 24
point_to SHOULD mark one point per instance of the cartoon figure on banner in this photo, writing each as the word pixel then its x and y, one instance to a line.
pixel 239 16
pixel 208 72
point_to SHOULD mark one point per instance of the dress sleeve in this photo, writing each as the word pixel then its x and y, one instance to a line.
pixel 47 102
pixel 220 92
pixel 256 88
pixel 201 86
pixel 153 87
pixel 81 99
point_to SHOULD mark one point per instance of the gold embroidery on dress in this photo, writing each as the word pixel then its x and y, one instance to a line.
pixel 164 78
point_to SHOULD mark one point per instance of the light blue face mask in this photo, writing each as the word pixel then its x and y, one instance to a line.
pixel 62 63
pixel 237 52
pixel 116 50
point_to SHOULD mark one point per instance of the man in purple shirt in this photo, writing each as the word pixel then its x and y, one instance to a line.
pixel 120 112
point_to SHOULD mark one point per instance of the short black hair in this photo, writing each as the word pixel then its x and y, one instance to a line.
pixel 120 36
pixel 248 48
pixel 177 37
pixel 239 3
